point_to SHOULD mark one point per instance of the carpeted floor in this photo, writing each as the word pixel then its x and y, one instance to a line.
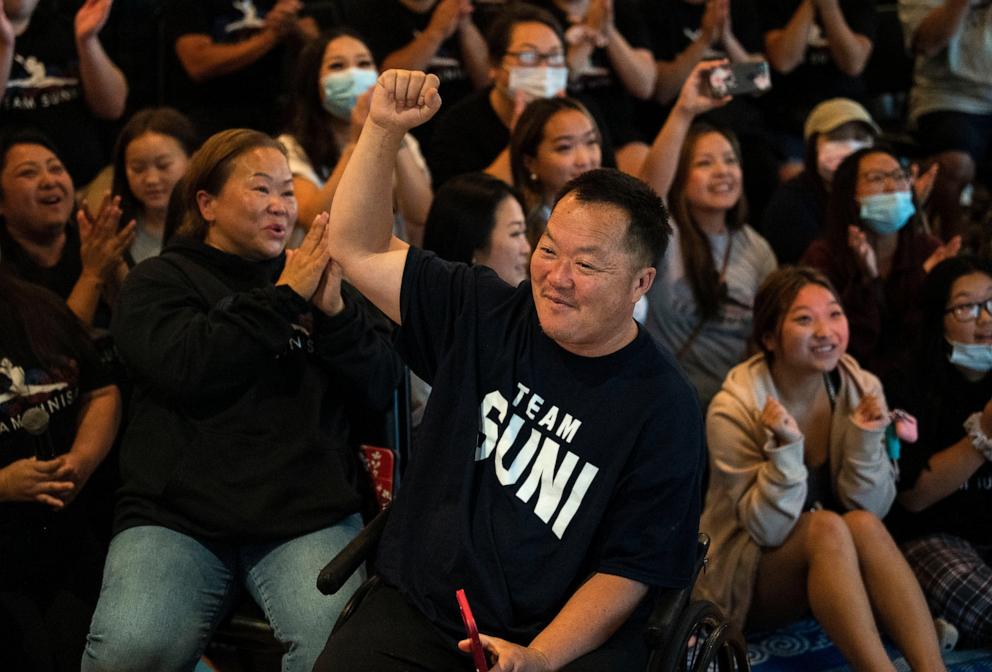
pixel 804 647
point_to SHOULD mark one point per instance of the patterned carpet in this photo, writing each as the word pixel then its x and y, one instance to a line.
pixel 804 647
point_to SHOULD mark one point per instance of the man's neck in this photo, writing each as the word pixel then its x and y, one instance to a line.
pixel 622 339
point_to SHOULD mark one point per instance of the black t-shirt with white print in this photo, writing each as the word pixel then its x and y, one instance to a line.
pixel 535 467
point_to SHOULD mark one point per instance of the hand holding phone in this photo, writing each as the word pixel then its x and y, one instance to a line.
pixel 478 653
pixel 737 79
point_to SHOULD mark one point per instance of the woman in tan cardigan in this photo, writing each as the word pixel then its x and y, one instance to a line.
pixel 799 480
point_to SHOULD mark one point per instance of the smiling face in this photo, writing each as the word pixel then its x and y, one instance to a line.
pixel 508 251
pixel 713 182
pixel 972 288
pixel 813 334
pixel 585 280
pixel 37 194
pixel 154 163
pixel 568 148
pixel 253 213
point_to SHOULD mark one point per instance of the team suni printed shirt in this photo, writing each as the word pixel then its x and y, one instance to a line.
pixel 535 467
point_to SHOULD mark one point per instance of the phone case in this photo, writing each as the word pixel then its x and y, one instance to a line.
pixel 478 653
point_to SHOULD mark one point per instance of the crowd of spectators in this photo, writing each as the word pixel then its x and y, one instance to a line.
pixel 172 295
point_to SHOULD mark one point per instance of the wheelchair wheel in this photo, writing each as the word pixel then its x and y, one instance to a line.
pixel 732 656
pixel 685 649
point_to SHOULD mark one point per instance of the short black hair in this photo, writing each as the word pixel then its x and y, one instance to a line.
pixel 463 214
pixel 648 227
pixel 24 136
pixel 499 33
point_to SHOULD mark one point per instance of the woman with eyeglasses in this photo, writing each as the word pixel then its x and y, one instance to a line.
pixel 877 253
pixel 944 512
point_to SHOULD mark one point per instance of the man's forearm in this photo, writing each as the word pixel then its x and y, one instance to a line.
pixel 939 26
pixel 104 85
pixel 849 50
pixel 671 75
pixel 786 48
pixel 203 59
pixel 590 617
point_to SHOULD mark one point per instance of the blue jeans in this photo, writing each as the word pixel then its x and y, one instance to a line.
pixel 164 593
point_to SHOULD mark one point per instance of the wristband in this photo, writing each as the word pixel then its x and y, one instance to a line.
pixel 979 439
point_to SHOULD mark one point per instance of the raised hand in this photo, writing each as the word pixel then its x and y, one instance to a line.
pixel 714 19
pixel 282 17
pixel 780 422
pixel 33 480
pixel 692 100
pixel 305 265
pixel 403 99
pixel 101 243
pixel 6 28
pixel 327 298
pixel 870 411
pixel 864 253
pixel 599 17
pixel 91 18
pixel 923 184
pixel 945 251
pixel 510 657
pixel 447 15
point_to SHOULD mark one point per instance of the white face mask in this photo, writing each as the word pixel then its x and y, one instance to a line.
pixel 831 152
pixel 971 356
pixel 537 82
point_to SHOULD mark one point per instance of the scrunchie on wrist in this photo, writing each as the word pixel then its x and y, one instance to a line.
pixel 979 439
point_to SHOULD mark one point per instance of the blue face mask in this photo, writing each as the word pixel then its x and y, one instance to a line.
pixel 972 356
pixel 887 213
pixel 342 89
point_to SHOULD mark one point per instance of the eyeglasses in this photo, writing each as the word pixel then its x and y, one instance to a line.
pixel 531 57
pixel 877 178
pixel 968 312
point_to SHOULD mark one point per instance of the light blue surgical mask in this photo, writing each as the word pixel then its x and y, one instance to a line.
pixel 971 356
pixel 342 89
pixel 888 212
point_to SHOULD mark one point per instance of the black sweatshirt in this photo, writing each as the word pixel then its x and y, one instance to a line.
pixel 239 424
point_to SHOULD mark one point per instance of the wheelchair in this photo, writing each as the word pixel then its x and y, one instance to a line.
pixel 682 635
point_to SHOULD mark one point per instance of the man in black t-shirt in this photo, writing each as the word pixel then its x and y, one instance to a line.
pixel 558 472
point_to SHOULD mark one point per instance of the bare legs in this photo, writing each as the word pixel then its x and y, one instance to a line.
pixel 841 567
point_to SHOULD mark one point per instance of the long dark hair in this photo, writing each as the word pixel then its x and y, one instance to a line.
pixel 30 311
pixel 463 214
pixel 697 254
pixel 163 120
pixel 309 121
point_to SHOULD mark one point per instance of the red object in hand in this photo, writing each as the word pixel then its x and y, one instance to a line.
pixel 478 653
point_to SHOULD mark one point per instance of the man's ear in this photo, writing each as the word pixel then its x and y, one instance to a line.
pixel 643 281
pixel 207 203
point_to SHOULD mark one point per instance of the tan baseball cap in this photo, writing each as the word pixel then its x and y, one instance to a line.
pixel 836 112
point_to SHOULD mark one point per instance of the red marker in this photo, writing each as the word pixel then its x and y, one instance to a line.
pixel 478 653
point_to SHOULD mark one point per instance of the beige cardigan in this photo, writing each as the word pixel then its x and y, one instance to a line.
pixel 757 489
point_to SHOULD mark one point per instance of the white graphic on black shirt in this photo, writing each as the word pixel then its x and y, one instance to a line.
pixel 18 386
pixel 37 76
pixel 249 20
pixel 537 461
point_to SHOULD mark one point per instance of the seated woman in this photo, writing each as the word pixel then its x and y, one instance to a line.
pixel 237 464
pixel 877 253
pixel 151 154
pixel 328 111
pixel 944 517
pixel 799 478
pixel 59 413
pixel 554 140
pixel 700 303
pixel 834 130
pixel 479 219
pixel 83 261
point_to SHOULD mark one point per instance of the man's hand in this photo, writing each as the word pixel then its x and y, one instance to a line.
pixel 282 17
pixel 101 244
pixel 91 18
pixel 692 101
pixel 403 99
pixel 714 20
pixel 305 265
pixel 780 422
pixel 6 29
pixel 33 480
pixel 447 16
pixel 509 657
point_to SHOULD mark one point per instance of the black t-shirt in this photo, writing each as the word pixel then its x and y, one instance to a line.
pixel 45 91
pixel 388 26
pixel 600 83
pixel 794 218
pixel 817 78
pixel 941 404
pixel 246 98
pixel 535 468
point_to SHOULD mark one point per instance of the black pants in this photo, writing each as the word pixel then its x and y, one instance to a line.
pixel 387 634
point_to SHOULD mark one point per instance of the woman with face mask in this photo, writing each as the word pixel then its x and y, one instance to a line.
pixel 877 253
pixel 944 512
pixel 834 130
pixel 334 73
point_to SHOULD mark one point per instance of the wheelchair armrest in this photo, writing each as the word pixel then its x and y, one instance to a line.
pixel 336 572
pixel 670 603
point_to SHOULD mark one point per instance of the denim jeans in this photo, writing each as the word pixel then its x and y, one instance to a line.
pixel 164 593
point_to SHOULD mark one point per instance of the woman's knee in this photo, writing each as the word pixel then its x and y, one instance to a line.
pixel 826 535
pixel 866 527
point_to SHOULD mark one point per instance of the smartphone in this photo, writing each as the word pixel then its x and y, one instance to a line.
pixel 478 653
pixel 737 79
